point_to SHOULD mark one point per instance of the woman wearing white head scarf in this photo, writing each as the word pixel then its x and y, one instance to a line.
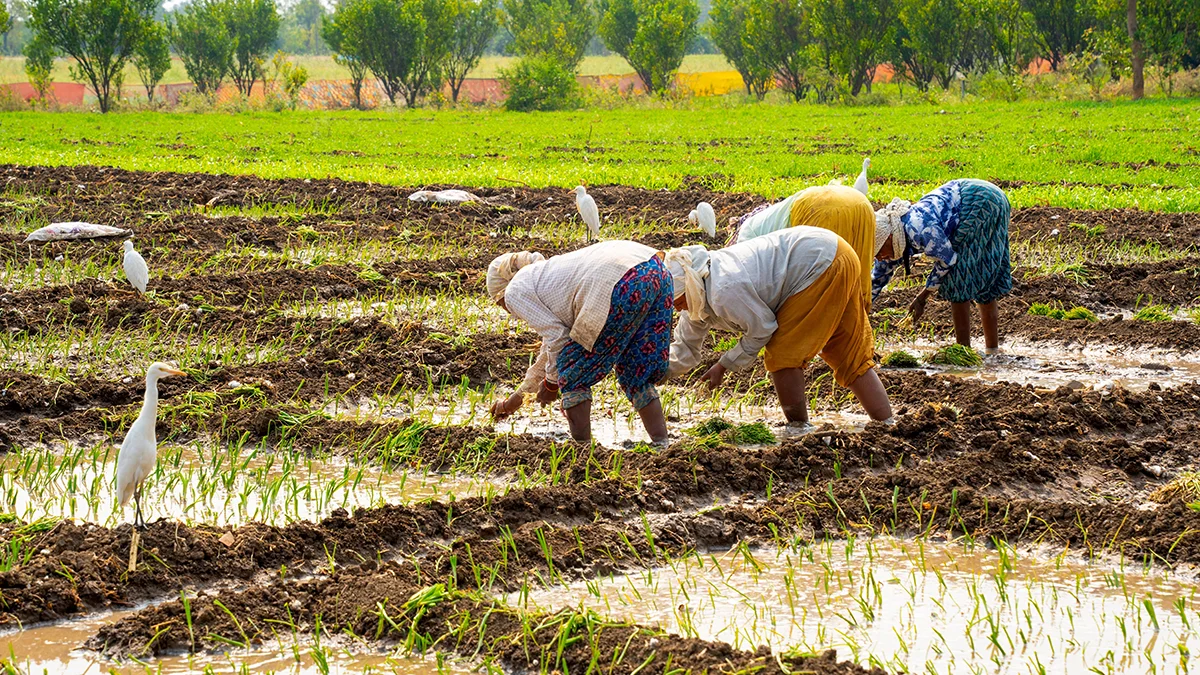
pixel 962 227
pixel 602 307
pixel 793 293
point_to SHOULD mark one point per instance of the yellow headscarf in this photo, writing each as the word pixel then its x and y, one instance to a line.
pixel 503 268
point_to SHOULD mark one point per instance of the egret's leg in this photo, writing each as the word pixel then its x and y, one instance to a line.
pixel 138 521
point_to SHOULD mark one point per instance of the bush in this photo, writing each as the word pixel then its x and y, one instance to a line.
pixel 540 83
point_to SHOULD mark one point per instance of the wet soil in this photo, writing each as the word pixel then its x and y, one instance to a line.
pixel 1067 467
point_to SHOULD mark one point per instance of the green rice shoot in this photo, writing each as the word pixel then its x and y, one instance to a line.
pixel 1152 313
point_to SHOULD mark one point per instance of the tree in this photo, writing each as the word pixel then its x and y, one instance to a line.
pixel 728 31
pixel 152 57
pixel 301 26
pixel 5 18
pixel 1060 26
pixel 780 34
pixel 341 33
pixel 202 40
pixel 1012 37
pixel 1137 53
pixel 560 29
pixel 100 35
pixel 475 23
pixel 437 34
pixel 253 25
pixel 39 64
pixel 652 35
pixel 934 40
pixel 855 35
pixel 1167 28
pixel 386 35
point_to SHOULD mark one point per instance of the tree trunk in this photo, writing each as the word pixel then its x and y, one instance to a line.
pixel 1137 55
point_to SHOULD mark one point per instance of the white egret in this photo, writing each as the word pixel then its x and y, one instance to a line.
pixel 704 216
pixel 139 451
pixel 861 183
pixel 136 270
pixel 588 211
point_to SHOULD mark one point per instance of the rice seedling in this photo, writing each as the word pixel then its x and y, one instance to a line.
pixel 901 359
pixel 1152 313
pixel 955 355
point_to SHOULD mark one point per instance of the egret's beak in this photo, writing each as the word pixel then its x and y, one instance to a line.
pixel 172 371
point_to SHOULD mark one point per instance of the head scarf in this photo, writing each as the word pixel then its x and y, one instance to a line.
pixel 503 268
pixel 889 225
pixel 688 266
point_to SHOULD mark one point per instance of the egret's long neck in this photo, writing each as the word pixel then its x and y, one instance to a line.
pixel 150 405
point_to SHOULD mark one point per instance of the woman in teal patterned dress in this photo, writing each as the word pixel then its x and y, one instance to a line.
pixel 963 227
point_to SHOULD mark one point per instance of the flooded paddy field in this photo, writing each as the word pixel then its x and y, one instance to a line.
pixel 331 495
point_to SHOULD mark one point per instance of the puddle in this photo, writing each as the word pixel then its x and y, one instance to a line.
pixel 55 648
pixel 912 606
pixel 213 485
pixel 1050 367
pixel 614 423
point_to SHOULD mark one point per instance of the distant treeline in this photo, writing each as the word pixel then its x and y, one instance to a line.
pixel 823 49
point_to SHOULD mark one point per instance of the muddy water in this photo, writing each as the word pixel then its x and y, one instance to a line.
pixel 910 606
pixel 1051 366
pixel 55 648
pixel 213 485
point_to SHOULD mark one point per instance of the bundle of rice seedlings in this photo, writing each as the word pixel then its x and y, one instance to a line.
pixel 901 359
pixel 956 355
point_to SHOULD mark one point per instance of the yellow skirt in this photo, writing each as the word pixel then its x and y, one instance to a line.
pixel 827 318
pixel 847 212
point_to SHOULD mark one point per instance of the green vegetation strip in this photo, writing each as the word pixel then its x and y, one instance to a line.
pixel 1074 155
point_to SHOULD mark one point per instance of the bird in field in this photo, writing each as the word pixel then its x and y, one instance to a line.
pixel 588 212
pixel 860 183
pixel 136 270
pixel 704 216
pixel 139 451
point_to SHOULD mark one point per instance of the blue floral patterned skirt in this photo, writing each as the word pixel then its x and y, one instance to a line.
pixel 636 340
pixel 983 272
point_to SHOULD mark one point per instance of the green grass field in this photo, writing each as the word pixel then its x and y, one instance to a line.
pixel 12 69
pixel 1068 154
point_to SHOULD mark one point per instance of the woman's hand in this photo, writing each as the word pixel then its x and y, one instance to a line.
pixel 917 307
pixel 505 407
pixel 714 376
pixel 546 395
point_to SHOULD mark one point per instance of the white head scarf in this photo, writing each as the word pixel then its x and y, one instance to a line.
pixel 688 266
pixel 888 224
pixel 503 268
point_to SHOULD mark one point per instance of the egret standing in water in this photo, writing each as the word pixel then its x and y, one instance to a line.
pixel 139 451
pixel 588 212
pixel 704 216
pixel 136 270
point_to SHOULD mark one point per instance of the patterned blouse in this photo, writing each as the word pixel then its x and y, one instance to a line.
pixel 929 226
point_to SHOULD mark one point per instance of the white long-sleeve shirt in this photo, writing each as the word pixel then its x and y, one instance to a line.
pixel 747 284
pixel 568 298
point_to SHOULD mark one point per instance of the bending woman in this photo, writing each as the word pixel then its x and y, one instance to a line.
pixel 963 227
pixel 797 293
pixel 604 306
pixel 842 210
